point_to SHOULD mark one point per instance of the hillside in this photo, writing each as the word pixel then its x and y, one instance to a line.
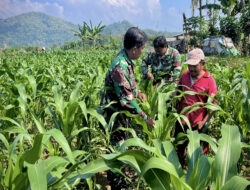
pixel 119 28
pixel 35 29
pixel 39 29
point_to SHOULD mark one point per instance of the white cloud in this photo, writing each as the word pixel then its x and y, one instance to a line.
pixel 154 7
pixel 76 1
pixel 142 13
pixel 11 8
pixel 122 5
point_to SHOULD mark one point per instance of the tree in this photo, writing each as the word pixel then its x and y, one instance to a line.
pixel 194 5
pixel 89 32
pixel 82 32
pixel 213 12
pixel 94 33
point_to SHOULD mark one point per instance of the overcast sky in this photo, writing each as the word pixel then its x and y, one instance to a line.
pixel 153 14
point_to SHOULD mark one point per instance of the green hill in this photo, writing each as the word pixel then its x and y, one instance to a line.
pixel 39 29
pixel 35 29
pixel 119 28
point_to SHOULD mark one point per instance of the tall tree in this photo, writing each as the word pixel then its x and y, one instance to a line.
pixel 194 5
pixel 94 32
pixel 89 32
pixel 82 32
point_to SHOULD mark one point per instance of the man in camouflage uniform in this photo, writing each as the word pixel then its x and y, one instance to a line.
pixel 165 63
pixel 120 83
pixel 120 87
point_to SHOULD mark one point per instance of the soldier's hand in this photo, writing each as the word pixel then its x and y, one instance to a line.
pixel 150 121
pixel 142 97
pixel 150 76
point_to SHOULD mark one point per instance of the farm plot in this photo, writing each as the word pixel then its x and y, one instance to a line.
pixel 51 127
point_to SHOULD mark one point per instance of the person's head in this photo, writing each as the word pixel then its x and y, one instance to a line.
pixel 195 62
pixel 160 45
pixel 134 42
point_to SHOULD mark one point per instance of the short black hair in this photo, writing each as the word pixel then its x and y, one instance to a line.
pixel 160 42
pixel 134 37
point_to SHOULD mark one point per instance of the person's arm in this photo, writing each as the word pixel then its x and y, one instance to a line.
pixel 212 90
pixel 126 97
pixel 144 67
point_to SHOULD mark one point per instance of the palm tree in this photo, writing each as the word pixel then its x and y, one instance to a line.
pixel 82 32
pixel 94 33
pixel 228 7
pixel 89 32
pixel 194 5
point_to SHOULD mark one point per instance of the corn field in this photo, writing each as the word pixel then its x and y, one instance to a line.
pixel 54 136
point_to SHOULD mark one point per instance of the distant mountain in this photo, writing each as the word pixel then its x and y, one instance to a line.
pixel 151 32
pixel 35 29
pixel 119 28
pixel 39 29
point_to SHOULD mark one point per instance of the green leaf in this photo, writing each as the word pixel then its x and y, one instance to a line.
pixel 18 138
pixel 194 151
pixel 58 136
pixel 59 102
pixel 200 175
pixel 84 109
pixel 33 84
pixel 12 121
pixel 98 116
pixel 22 92
pixel 172 156
pixel 39 124
pixel 161 183
pixel 76 93
pixel 5 141
pixel 37 176
pixel 92 168
pixel 228 154
pixel 8 174
pixel 111 121
pixel 69 118
pixel 210 140
pixel 32 155
pixel 236 182
pixel 54 162
pixel 137 142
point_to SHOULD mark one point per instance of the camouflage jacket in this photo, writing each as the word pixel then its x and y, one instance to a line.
pixel 120 85
pixel 167 66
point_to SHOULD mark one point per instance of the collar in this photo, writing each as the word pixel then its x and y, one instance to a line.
pixel 206 74
pixel 124 54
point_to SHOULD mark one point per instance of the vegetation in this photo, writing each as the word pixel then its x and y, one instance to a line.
pixel 35 29
pixel 228 18
pixel 90 33
pixel 39 29
pixel 51 136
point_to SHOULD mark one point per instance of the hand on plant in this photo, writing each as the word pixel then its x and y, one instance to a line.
pixel 150 76
pixel 150 121
pixel 142 97
pixel 200 125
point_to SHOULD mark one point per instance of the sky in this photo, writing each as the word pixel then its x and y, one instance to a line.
pixel 153 14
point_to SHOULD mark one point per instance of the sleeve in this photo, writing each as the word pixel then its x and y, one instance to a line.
pixel 212 88
pixel 145 63
pixel 124 92
pixel 176 65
